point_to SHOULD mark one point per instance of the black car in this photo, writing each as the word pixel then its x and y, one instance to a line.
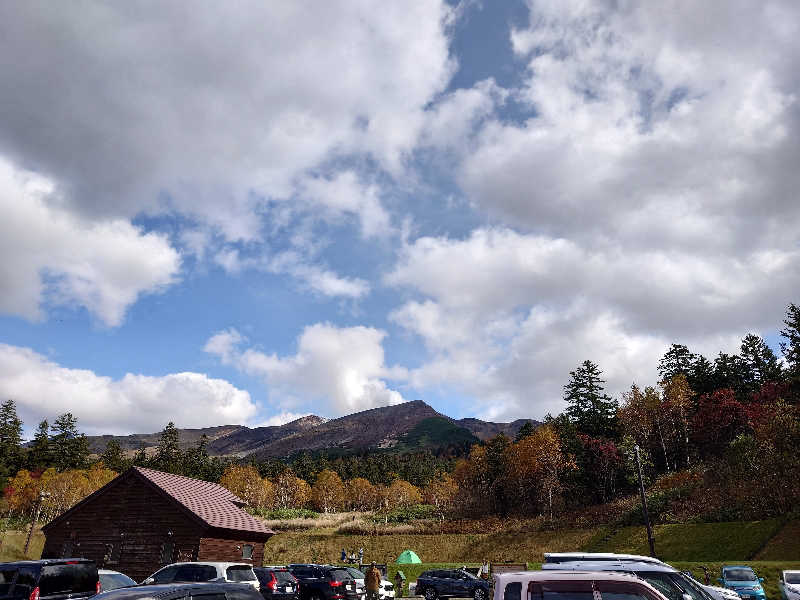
pixel 54 579
pixel 276 583
pixel 326 582
pixel 456 583
pixel 184 591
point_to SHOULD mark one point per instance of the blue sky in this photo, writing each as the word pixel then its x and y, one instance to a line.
pixel 244 215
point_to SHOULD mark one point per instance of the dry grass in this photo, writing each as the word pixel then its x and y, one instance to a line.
pixel 361 527
pixel 323 521
pixel 12 544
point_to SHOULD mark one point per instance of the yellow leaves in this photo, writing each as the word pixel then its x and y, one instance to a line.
pixel 291 491
pixel 441 492
pixel 246 483
pixel 328 494
pixel 402 494
pixel 362 495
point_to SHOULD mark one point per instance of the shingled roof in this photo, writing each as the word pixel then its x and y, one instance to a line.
pixel 209 503
pixel 213 504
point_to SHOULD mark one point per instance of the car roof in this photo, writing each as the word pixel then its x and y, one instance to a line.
pixel 505 578
pixel 49 561
pixel 792 571
pixel 156 590
pixel 726 567
pixel 556 557
pixel 607 565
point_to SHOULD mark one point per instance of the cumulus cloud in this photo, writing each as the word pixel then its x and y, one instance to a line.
pixel 217 109
pixel 134 403
pixel 522 310
pixel 50 255
pixel 340 369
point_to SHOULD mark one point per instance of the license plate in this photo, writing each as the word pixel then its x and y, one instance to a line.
pixel 288 589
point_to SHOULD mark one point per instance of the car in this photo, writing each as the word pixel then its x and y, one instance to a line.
pixel 744 581
pixel 789 585
pixel 111 580
pixel 572 585
pixel 454 583
pixel 74 578
pixel 276 583
pixel 205 571
pixel 386 590
pixel 667 580
pixel 184 591
pixel 715 591
pixel 326 582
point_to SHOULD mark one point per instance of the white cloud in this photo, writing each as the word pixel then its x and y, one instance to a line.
pixel 281 419
pixel 217 109
pixel 505 316
pixel 340 369
pixel 134 403
pixel 49 255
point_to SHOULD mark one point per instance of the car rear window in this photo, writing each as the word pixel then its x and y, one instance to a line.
pixel 339 575
pixel 68 578
pixel 112 581
pixel 284 577
pixel 240 573
pixel 793 578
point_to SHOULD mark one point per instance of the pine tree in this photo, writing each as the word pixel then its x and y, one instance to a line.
pixel 168 453
pixel 591 410
pixel 676 361
pixel 791 347
pixel 526 430
pixel 701 377
pixel 759 362
pixel 39 454
pixel 113 457
pixel 10 441
pixel 729 372
pixel 70 448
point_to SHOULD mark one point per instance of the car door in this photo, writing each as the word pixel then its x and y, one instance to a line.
pixel 7 575
pixel 24 583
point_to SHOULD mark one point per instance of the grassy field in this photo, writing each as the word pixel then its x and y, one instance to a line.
pixel 767 569
pixel 698 541
pixel 12 544
pixel 786 544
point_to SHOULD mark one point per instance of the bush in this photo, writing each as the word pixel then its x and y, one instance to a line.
pixel 416 512
pixel 285 513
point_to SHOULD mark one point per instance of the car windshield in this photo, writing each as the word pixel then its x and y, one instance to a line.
pixel 467 574
pixel 240 573
pixel 740 575
pixel 792 578
pixel 113 581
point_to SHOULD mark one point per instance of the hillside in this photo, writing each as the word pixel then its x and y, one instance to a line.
pixel 399 428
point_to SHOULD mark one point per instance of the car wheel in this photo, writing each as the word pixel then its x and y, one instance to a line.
pixel 480 594
pixel 430 594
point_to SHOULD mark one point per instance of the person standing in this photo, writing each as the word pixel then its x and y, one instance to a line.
pixel 372 581
pixel 361 555
pixel 398 585
pixel 484 574
pixel 344 555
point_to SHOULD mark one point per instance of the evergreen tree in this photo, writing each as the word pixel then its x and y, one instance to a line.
pixel 70 449
pixel 196 462
pixel 10 441
pixel 140 459
pixel 676 361
pixel 113 458
pixel 729 372
pixel 591 410
pixel 526 430
pixel 760 365
pixel 701 376
pixel 168 456
pixel 791 347
pixel 39 456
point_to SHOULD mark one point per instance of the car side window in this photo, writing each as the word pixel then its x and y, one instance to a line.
pixel 6 579
pixel 513 591
pixel 617 590
pixel 165 575
pixel 561 590
pixel 26 581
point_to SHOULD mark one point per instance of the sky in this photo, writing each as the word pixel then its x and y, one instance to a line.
pixel 216 213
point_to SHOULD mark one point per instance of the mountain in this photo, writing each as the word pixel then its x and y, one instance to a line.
pixel 398 428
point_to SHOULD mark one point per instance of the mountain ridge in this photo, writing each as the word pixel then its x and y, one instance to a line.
pixel 398 427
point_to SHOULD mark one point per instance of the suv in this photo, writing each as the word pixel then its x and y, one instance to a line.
pixel 553 585
pixel 326 582
pixel 277 583
pixel 204 571
pixel 668 581
pixel 48 579
pixel 184 591
pixel 457 583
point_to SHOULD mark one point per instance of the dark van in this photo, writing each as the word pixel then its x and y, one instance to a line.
pixel 56 579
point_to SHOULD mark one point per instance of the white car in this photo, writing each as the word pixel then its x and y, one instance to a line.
pixel 386 590
pixel 716 592
pixel 789 584
pixel 205 571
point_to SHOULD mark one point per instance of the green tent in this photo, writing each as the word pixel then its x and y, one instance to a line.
pixel 408 557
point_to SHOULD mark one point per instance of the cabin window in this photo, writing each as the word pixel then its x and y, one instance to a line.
pixel 167 548
pixel 247 551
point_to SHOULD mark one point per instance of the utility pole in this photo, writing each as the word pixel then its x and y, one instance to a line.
pixel 650 539
pixel 42 496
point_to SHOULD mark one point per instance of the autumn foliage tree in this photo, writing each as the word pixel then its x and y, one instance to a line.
pixel 441 493
pixel 328 492
pixel 361 495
